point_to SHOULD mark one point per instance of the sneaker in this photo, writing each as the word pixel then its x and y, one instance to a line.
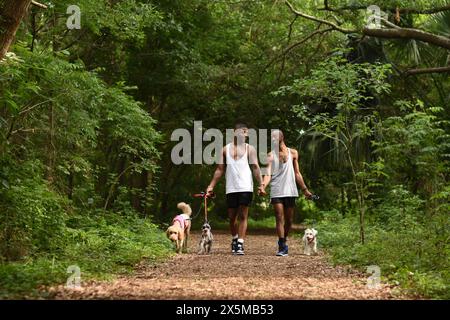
pixel 240 249
pixel 282 249
pixel 233 246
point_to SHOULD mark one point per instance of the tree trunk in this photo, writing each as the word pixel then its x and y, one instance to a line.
pixel 408 33
pixel 11 14
pixel 362 211
pixel 70 184
pixel 343 201
pixel 359 193
pixel 51 149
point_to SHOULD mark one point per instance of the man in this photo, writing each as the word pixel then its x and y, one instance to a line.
pixel 284 176
pixel 235 160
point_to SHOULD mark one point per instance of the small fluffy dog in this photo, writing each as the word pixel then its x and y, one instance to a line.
pixel 310 241
pixel 206 240
pixel 180 229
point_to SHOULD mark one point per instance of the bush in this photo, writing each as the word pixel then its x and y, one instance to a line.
pixel 416 256
pixel 101 245
pixel 69 141
pixel 118 241
pixel 32 216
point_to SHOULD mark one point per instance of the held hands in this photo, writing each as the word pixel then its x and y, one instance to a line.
pixel 262 190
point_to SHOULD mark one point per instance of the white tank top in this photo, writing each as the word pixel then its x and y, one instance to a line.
pixel 283 178
pixel 238 174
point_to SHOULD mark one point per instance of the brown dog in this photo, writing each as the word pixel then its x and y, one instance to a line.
pixel 179 231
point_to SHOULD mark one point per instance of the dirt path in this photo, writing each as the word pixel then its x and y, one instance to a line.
pixel 257 275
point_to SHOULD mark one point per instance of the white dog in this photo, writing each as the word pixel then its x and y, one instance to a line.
pixel 206 240
pixel 310 241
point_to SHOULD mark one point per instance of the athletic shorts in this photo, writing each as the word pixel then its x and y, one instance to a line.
pixel 237 199
pixel 288 202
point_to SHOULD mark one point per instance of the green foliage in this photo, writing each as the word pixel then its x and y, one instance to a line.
pixel 414 255
pixel 85 127
pixel 416 147
pixel 62 134
pixel 344 89
pixel 118 241
pixel 267 223
pixel 339 83
pixel 398 209
pixel 80 152
pixel 23 279
pixel 101 244
pixel 33 216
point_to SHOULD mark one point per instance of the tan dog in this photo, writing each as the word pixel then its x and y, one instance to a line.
pixel 179 231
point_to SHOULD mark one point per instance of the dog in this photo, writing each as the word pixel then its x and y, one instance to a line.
pixel 310 242
pixel 206 240
pixel 180 229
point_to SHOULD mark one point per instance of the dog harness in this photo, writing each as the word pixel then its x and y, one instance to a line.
pixel 182 218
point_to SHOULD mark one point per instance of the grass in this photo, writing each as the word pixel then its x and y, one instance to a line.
pixel 411 257
pixel 101 247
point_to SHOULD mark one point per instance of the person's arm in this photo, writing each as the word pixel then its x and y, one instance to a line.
pixel 253 157
pixel 218 173
pixel 298 175
pixel 268 176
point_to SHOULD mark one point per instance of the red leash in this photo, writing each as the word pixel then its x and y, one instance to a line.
pixel 205 197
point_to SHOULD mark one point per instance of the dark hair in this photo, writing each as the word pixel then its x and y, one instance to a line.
pixel 280 134
pixel 240 125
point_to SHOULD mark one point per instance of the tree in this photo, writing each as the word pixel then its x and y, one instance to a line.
pixel 395 31
pixel 345 89
pixel 12 13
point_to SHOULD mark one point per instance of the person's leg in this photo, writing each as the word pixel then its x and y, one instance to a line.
pixel 233 214
pixel 232 204
pixel 279 216
pixel 245 198
pixel 288 219
pixel 280 209
pixel 289 206
pixel 243 221
pixel 242 228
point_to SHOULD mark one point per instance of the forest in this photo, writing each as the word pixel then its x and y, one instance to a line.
pixel 87 113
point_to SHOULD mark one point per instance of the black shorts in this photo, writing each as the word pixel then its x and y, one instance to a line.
pixel 237 199
pixel 288 202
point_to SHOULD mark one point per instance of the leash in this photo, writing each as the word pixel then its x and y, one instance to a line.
pixel 198 212
pixel 205 197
